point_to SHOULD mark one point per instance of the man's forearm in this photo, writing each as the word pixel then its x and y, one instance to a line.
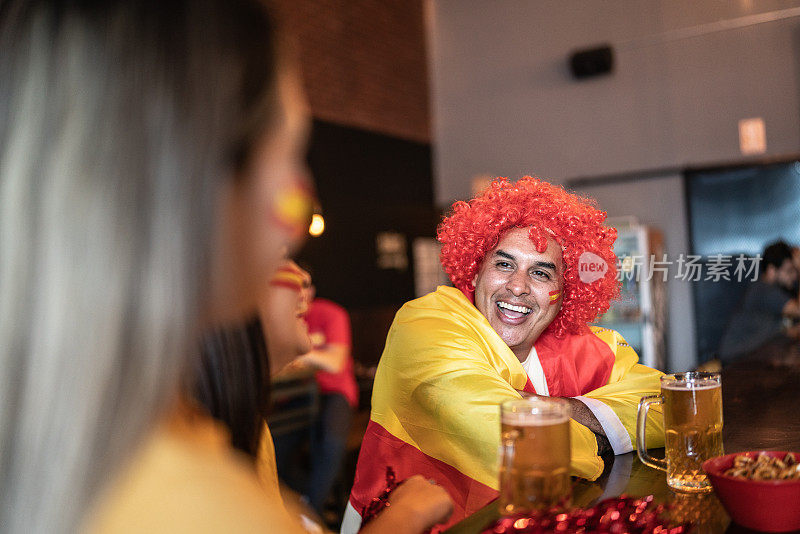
pixel 583 415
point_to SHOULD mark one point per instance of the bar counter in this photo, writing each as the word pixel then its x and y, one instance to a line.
pixel 761 411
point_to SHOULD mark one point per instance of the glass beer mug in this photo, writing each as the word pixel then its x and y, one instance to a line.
pixel 693 426
pixel 534 455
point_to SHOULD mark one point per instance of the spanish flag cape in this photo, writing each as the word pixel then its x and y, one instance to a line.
pixel 439 382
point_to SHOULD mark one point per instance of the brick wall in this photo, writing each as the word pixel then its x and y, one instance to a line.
pixel 364 62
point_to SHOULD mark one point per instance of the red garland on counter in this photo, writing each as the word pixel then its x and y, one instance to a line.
pixel 613 516
pixel 377 504
pixel 619 515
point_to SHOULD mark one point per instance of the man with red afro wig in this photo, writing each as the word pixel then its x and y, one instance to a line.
pixel 532 265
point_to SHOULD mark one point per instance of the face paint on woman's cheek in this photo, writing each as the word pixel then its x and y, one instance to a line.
pixel 292 209
pixel 288 277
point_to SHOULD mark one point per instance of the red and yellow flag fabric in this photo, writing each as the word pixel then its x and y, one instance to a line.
pixel 444 372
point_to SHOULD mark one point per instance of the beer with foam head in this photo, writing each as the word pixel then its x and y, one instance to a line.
pixel 534 455
pixel 693 426
pixel 692 405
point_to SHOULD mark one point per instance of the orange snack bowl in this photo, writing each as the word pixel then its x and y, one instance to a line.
pixel 765 505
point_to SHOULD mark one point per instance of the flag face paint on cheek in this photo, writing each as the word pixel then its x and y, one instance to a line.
pixel 292 209
pixel 554 296
pixel 287 277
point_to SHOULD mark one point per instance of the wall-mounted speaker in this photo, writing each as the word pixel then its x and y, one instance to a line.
pixel 592 62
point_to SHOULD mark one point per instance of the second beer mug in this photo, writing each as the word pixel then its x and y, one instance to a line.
pixel 693 426
pixel 534 454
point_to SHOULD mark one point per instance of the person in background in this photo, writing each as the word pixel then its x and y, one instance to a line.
pixel 532 265
pixel 796 262
pixel 330 358
pixel 769 309
pixel 146 149
pixel 233 380
pixel 282 310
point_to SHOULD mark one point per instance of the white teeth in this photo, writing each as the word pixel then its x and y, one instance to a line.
pixel 520 309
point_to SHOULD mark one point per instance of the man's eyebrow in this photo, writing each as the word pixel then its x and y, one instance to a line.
pixel 505 255
pixel 544 264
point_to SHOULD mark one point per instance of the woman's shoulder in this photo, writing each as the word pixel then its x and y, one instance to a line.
pixel 187 478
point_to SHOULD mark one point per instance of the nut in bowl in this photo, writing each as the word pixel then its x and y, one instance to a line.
pixel 751 489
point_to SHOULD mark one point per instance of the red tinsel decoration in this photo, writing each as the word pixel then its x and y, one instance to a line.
pixel 377 504
pixel 612 516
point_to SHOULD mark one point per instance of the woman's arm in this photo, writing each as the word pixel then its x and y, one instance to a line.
pixel 414 506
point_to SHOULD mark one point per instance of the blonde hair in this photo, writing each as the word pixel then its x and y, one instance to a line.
pixel 118 123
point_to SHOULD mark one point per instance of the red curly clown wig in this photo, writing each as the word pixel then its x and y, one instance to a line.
pixel 473 229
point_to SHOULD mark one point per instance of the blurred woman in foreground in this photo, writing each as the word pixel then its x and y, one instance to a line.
pixel 144 149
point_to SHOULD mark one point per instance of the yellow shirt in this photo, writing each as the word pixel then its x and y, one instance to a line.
pixel 187 478
pixel 266 466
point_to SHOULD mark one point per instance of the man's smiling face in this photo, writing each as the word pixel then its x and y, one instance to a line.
pixel 513 289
